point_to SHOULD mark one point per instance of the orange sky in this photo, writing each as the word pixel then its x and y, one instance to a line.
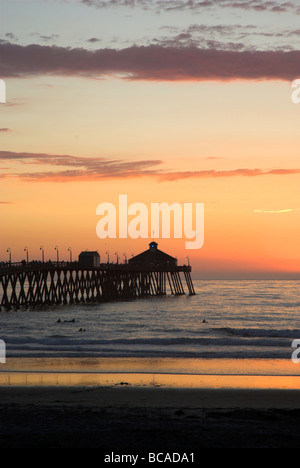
pixel 69 143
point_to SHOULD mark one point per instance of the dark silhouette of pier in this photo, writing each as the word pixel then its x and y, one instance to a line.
pixel 151 273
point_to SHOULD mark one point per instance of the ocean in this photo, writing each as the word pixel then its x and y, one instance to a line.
pixel 231 326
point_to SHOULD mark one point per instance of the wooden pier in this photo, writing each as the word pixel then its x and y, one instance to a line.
pixel 48 283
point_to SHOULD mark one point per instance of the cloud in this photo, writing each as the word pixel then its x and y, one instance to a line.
pixel 5 130
pixel 11 36
pixel 79 168
pixel 274 6
pixel 261 5
pixel 234 37
pixel 47 38
pixel 154 62
pixel 171 176
pixel 94 39
pixel 188 38
pixel 288 210
pixel 212 157
pixel 93 169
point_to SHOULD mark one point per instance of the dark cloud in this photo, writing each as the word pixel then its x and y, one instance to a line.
pixel 152 62
pixel 93 169
pixel 94 39
pixel 48 38
pixel 4 130
pixel 79 168
pixel 11 36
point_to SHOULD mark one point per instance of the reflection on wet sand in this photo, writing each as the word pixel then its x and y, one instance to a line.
pixel 148 380
pixel 152 372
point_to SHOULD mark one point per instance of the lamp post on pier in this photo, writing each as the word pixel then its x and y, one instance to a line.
pixel 9 252
pixel 26 250
pixel 70 250
pixel 43 253
pixel 57 253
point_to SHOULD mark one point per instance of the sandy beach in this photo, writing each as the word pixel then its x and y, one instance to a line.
pixel 128 419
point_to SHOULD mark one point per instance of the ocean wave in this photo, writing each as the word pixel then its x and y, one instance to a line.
pixel 261 332
pixel 243 319
pixel 154 342
pixel 207 353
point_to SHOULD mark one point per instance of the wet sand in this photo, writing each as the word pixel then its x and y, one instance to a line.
pixel 132 419
pixel 149 405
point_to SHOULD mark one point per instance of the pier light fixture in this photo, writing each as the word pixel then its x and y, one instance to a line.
pixel 9 252
pixel 43 253
pixel 57 253
pixel 70 250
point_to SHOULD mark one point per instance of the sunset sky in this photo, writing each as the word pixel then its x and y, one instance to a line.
pixel 164 101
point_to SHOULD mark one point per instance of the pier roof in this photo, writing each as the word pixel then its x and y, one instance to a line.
pixel 153 256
